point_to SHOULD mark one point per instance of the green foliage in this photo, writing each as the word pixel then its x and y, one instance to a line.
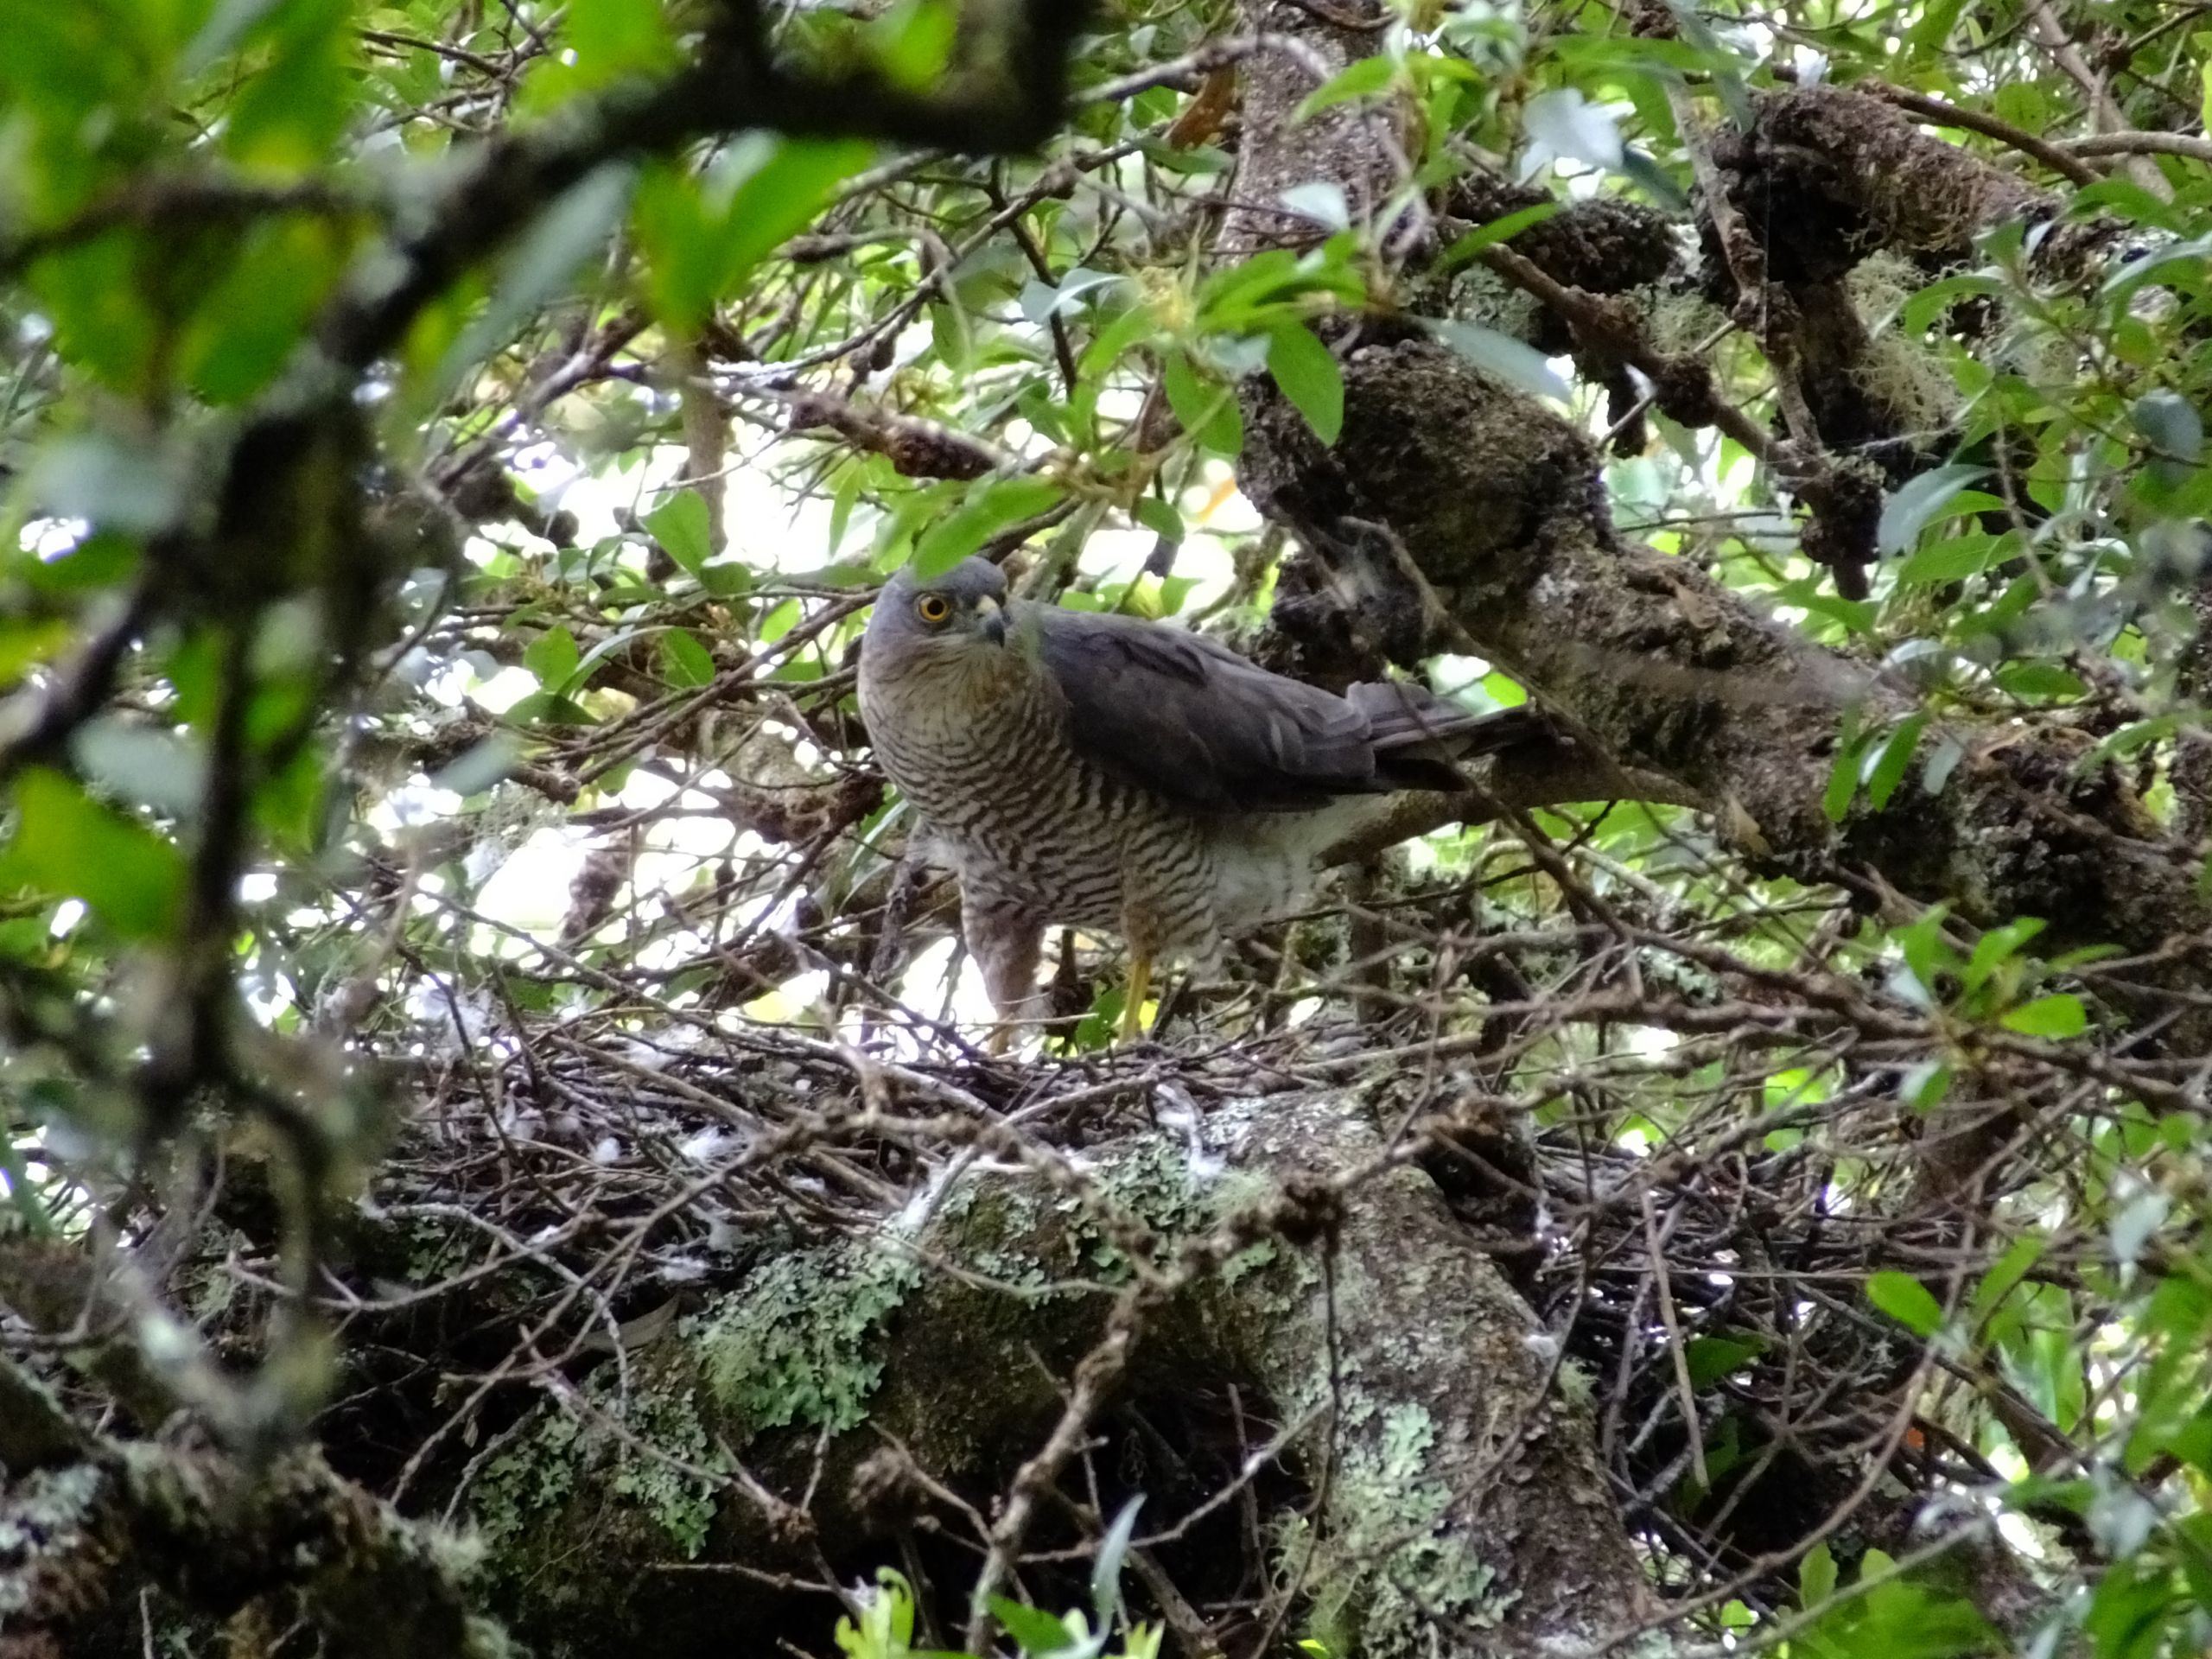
pixel 703 235
pixel 1886 1612
pixel 884 1628
pixel 1309 376
pixel 1906 1300
pixel 68 843
pixel 350 569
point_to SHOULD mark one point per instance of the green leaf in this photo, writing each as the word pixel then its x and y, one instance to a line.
pixel 1914 503
pixel 67 843
pixel 547 708
pixel 2009 1269
pixel 2122 283
pixel 683 526
pixel 1036 1631
pixel 245 328
pixel 1111 343
pixel 287 117
pixel 1843 774
pixel 1933 28
pixel 1998 946
pixel 26 641
pixel 781 197
pixel 2039 682
pixel 914 41
pixel 1205 409
pixel 951 336
pixel 1906 1300
pixel 1503 229
pixel 997 505
pixel 1950 561
pixel 615 38
pixel 1925 1084
pixel 684 661
pixel 1363 78
pixel 1228 297
pixel 778 622
pixel 292 803
pixel 1815 1576
pixel 1903 1620
pixel 101 560
pixel 1159 517
pixel 1926 953
pixel 2174 431
pixel 2057 1016
pixel 1885 770
pixel 677 233
pixel 553 657
pixel 1712 1357
pixel 2136 734
pixel 1106 1567
pixel 887 1620
pixel 1923 309
pixel 1309 376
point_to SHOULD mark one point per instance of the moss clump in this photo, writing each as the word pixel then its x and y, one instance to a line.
pixel 1387 1575
pixel 998 1226
pixel 535 1474
pixel 1151 1184
pixel 798 1344
pixel 540 1472
pixel 682 1506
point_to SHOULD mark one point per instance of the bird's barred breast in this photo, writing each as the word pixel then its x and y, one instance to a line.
pixel 1024 817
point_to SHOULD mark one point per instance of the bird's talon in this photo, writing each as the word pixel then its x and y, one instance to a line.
pixel 1133 999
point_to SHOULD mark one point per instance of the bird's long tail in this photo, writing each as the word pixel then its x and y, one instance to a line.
pixel 1418 735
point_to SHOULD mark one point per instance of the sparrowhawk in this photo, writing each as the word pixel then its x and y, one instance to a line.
pixel 1102 771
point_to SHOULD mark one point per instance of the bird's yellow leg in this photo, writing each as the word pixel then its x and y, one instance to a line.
pixel 1133 999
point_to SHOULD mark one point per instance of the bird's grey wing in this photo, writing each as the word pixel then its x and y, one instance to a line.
pixel 1179 716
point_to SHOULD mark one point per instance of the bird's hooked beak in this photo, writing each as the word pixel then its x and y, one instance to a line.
pixel 990 618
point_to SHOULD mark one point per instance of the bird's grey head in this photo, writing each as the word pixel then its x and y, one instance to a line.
pixel 947 616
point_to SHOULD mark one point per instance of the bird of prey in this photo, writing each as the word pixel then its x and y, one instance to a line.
pixel 1079 769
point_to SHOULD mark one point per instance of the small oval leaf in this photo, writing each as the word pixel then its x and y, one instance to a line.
pixel 1906 1300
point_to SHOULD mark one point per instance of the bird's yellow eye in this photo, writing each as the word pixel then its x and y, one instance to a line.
pixel 933 608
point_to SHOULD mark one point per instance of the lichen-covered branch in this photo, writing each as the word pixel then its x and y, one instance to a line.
pixel 86 1521
pixel 864 1388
